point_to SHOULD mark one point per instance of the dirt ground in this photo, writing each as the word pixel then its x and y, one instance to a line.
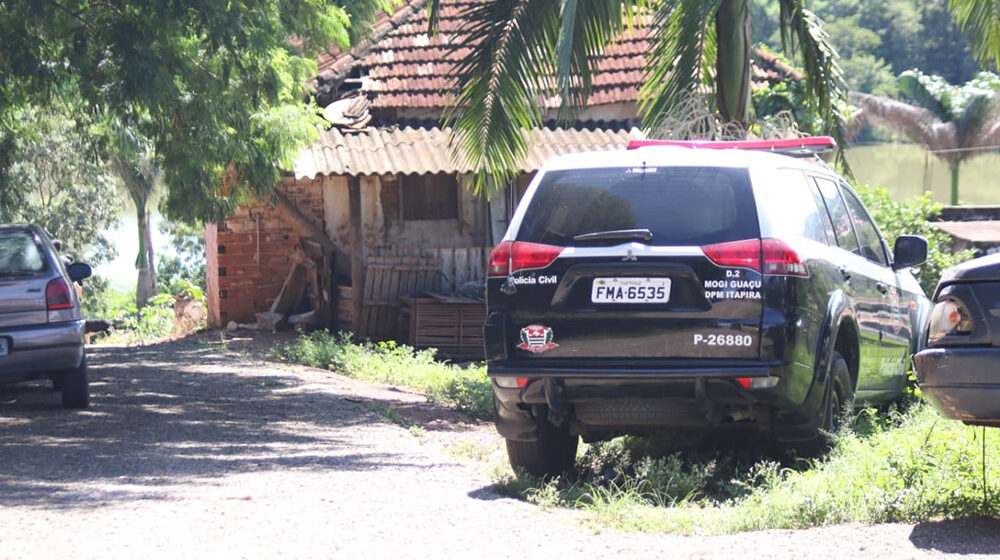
pixel 191 449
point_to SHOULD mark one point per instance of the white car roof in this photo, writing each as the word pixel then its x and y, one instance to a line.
pixel 676 156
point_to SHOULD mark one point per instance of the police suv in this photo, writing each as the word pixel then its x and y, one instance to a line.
pixel 693 286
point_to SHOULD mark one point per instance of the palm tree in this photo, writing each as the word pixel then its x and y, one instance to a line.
pixel 955 123
pixel 133 163
pixel 521 50
pixel 980 21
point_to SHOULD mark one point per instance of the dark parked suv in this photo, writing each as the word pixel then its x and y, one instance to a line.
pixel 41 326
pixel 673 286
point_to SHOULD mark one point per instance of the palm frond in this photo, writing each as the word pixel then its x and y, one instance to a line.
pixel 683 47
pixel 990 135
pixel 980 21
pixel 927 92
pixel 498 83
pixel 980 110
pixel 433 16
pixel 586 28
pixel 917 123
pixel 802 32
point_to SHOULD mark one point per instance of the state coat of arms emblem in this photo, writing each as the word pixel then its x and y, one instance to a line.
pixel 536 339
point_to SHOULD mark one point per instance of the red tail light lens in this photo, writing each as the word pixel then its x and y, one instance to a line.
pixel 511 256
pixel 499 264
pixel 782 260
pixel 744 253
pixel 779 259
pixel 57 295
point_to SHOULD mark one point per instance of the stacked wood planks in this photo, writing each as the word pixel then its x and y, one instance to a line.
pixel 453 325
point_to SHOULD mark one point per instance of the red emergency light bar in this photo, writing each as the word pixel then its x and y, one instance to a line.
pixel 806 146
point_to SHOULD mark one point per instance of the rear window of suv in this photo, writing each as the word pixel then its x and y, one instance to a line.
pixel 679 205
pixel 21 254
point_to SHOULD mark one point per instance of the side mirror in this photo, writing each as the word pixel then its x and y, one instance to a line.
pixel 910 250
pixel 79 271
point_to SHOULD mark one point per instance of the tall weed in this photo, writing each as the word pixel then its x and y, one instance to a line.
pixel 154 321
pixel 466 388
pixel 904 466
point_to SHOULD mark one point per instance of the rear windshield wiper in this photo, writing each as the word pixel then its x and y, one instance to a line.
pixel 638 234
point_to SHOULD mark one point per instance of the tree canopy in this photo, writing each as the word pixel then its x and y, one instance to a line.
pixel 54 179
pixel 218 87
pixel 521 50
pixel 879 40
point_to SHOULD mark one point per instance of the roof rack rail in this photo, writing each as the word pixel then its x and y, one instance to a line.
pixel 797 147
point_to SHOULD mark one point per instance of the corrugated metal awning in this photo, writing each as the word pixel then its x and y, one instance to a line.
pixel 422 151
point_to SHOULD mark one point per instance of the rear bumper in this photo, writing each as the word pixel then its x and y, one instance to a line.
pixel 36 351
pixel 699 395
pixel 962 383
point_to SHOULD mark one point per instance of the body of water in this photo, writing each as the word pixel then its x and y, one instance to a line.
pixel 121 271
pixel 907 170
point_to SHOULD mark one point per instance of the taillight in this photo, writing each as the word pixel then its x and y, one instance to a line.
pixel 779 259
pixel 57 295
pixel 500 260
pixel 511 256
pixel 782 260
pixel 744 253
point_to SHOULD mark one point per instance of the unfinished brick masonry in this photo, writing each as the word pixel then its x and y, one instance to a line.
pixel 249 255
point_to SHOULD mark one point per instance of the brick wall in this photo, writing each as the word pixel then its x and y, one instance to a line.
pixel 250 253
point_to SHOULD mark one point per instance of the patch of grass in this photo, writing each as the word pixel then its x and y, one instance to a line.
pixel 903 466
pixel 472 449
pixel 418 432
pixel 389 412
pixel 465 388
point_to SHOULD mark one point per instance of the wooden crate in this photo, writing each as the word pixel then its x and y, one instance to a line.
pixel 345 309
pixel 452 325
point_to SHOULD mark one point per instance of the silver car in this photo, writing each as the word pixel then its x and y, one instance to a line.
pixel 41 325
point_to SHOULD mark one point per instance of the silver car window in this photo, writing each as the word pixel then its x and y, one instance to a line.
pixel 20 254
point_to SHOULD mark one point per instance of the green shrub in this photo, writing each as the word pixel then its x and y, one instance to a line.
pixel 897 218
pixel 466 388
pixel 132 325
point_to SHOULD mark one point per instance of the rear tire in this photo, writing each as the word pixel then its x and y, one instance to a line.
pixel 75 387
pixel 552 454
pixel 838 403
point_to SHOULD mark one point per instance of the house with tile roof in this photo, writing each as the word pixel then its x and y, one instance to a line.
pixel 382 185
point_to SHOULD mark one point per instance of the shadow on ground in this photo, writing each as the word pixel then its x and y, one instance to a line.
pixel 169 413
pixel 958 536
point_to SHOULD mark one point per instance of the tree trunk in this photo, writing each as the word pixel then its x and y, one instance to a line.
pixel 732 27
pixel 145 286
pixel 954 183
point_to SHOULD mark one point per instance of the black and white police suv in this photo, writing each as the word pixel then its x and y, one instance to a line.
pixel 693 286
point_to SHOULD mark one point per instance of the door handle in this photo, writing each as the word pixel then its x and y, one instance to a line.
pixel 882 288
pixel 844 273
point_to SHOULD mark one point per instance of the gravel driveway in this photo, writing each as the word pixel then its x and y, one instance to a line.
pixel 190 453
